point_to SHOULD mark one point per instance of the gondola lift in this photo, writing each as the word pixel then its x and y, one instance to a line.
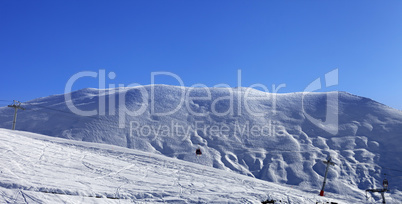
pixel 198 151
pixel 385 182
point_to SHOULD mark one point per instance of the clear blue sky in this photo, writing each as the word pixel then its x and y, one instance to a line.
pixel 43 43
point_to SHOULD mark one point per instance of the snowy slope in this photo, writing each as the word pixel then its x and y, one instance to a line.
pixel 40 169
pixel 366 146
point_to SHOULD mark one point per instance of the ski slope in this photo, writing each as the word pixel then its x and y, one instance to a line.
pixel 41 169
pixel 366 145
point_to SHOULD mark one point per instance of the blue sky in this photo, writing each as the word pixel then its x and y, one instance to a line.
pixel 44 43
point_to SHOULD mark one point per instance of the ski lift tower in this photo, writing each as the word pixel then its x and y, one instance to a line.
pixel 382 191
pixel 16 105
pixel 328 163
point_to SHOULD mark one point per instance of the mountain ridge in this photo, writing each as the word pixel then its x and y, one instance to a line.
pixel 367 138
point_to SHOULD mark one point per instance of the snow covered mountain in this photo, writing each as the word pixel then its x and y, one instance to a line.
pixel 281 138
pixel 40 169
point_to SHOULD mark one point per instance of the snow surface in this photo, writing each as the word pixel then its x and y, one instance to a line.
pixel 367 144
pixel 40 169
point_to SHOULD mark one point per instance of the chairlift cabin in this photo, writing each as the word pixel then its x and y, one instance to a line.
pixel 385 183
pixel 198 152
